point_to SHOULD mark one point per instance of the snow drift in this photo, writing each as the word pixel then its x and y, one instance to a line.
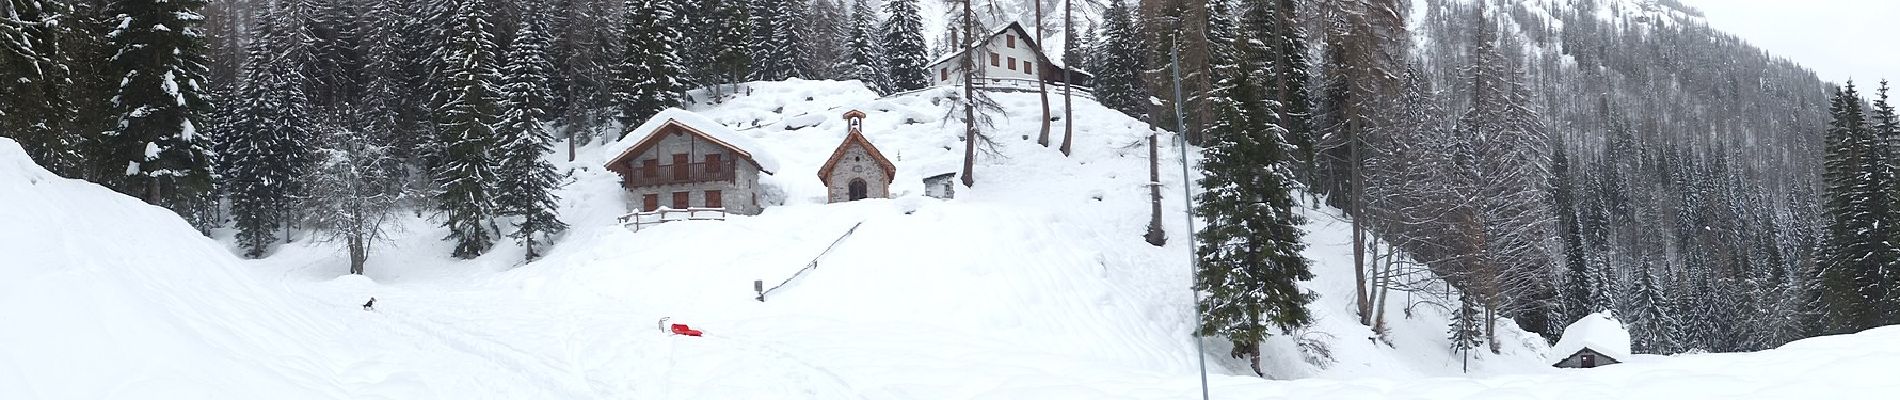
pixel 107 297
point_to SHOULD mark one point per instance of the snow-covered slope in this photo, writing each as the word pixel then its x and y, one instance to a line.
pixel 1035 284
pixel 106 297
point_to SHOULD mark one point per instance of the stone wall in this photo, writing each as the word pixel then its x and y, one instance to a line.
pixel 858 164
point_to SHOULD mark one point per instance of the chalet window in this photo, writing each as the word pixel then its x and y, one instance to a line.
pixel 680 200
pixel 943 73
pixel 680 163
pixel 1012 40
pixel 995 60
pixel 714 199
pixel 1012 63
pixel 1027 69
pixel 650 168
pixel 649 202
pixel 712 164
pixel 1589 361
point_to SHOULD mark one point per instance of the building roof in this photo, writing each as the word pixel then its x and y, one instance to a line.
pixel 705 128
pixel 1599 332
pixel 1034 46
pixel 824 172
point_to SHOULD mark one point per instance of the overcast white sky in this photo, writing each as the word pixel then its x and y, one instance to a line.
pixel 1838 39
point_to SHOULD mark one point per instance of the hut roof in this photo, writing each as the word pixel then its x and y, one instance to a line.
pixel 824 172
pixel 1599 332
pixel 697 124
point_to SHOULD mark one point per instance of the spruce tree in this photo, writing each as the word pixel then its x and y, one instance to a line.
pixel 153 148
pixel 1884 133
pixel 1857 247
pixel 734 33
pixel 826 25
pixel 1467 332
pixel 782 28
pixel 526 181
pixel 1250 248
pixel 1277 23
pixel 864 54
pixel 470 113
pixel 904 46
pixel 648 80
pixel 35 65
pixel 266 147
pixel 1118 77
pixel 1654 326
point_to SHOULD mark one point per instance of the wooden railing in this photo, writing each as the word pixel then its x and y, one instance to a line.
pixel 1030 85
pixel 669 174
pixel 663 215
pixel 1014 85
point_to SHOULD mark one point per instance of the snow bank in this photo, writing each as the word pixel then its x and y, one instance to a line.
pixel 104 296
pixel 1600 332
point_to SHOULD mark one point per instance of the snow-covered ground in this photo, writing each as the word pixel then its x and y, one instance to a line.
pixel 1035 284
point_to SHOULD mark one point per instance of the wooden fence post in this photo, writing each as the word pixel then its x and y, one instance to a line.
pixel 758 285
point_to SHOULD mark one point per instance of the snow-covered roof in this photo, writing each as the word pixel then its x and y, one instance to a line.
pixel 1034 45
pixel 945 166
pixel 696 123
pixel 1599 332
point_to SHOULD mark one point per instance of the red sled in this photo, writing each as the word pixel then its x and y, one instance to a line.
pixel 682 329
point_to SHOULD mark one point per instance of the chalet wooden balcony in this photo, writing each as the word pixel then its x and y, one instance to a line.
pixel 674 174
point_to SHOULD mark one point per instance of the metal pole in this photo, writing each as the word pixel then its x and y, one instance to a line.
pixel 1187 197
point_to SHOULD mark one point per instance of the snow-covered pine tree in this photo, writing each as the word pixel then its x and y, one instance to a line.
pixel 1250 248
pixel 696 51
pixel 153 149
pixel 1653 323
pixel 35 65
pixel 1275 24
pixel 826 25
pixel 355 190
pixel 525 182
pixel 1118 76
pixel 648 80
pixel 779 56
pixel 1884 131
pixel 904 46
pixel 1855 249
pixel 1576 283
pixel 1467 332
pixel 734 59
pixel 267 141
pixel 863 52
pixel 470 111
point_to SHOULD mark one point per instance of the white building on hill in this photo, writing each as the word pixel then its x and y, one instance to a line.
pixel 1010 58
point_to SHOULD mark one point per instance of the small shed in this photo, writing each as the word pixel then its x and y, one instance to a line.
pixel 856 169
pixel 1594 341
pixel 940 178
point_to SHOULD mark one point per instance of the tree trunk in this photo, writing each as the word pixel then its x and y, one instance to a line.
pixel 1358 226
pixel 1156 234
pixel 1042 86
pixel 359 255
pixel 1383 276
pixel 1068 80
pixel 969 101
pixel 1253 359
